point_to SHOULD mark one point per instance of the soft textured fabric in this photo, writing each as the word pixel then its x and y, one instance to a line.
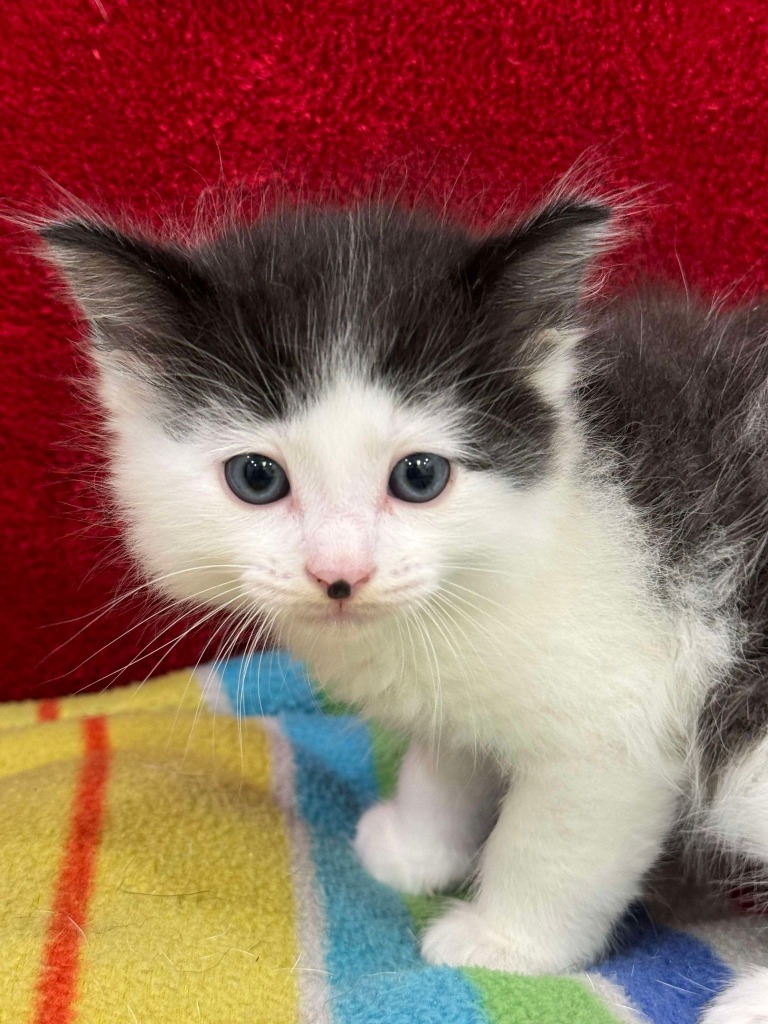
pixel 163 861
pixel 143 104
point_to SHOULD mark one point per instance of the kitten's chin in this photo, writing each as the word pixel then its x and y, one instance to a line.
pixel 338 617
pixel 341 617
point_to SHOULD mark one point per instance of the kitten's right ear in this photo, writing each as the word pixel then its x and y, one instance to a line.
pixel 136 294
pixel 140 299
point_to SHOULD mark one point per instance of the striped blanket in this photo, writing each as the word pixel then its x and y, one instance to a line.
pixel 164 864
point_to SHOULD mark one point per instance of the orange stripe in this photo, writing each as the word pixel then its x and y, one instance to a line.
pixel 48 711
pixel 57 985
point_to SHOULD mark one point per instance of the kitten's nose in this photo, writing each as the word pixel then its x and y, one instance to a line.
pixel 339 588
pixel 337 585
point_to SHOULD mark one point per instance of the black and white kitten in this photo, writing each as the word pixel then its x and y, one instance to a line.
pixel 528 533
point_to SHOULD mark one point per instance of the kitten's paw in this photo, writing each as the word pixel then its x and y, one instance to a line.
pixel 464 938
pixel 411 861
pixel 745 1001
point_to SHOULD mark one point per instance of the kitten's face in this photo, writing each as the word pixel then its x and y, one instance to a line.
pixel 264 390
pixel 339 521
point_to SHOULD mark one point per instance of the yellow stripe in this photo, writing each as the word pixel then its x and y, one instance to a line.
pixel 166 693
pixel 192 914
pixel 28 743
pixel 18 714
pixel 32 748
pixel 35 809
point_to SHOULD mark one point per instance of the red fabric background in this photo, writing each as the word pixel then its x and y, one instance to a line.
pixel 143 103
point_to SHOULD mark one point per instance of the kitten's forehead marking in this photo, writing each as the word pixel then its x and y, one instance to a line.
pixel 348 438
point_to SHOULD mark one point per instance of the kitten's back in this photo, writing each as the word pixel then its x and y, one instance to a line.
pixel 680 393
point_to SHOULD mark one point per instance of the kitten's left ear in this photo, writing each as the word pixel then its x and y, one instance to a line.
pixel 531 282
pixel 537 272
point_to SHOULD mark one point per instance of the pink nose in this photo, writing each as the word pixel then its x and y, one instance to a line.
pixel 340 582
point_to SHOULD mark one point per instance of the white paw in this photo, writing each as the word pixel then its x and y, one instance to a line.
pixel 464 938
pixel 407 858
pixel 745 1001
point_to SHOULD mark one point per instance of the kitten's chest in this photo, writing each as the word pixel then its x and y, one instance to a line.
pixel 432 682
pixel 548 679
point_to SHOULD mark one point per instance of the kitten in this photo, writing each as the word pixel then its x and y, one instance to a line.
pixel 525 530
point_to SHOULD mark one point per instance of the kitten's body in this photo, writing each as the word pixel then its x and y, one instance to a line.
pixel 682 397
pixel 572 631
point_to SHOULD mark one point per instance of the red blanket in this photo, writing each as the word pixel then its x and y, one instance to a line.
pixel 141 104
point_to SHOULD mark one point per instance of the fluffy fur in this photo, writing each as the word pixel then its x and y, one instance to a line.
pixel 572 633
pixel 744 1002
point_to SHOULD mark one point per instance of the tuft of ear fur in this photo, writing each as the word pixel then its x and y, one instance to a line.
pixel 140 298
pixel 531 283
pixel 537 272
pixel 134 292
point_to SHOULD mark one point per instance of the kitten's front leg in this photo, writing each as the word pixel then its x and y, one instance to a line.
pixel 566 857
pixel 426 838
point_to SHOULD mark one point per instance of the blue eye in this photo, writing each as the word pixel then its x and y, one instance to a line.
pixel 419 477
pixel 256 479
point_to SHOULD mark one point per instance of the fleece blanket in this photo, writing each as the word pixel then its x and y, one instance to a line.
pixel 143 105
pixel 164 859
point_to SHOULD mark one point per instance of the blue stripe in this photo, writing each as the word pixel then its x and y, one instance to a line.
pixel 666 974
pixel 266 683
pixel 369 932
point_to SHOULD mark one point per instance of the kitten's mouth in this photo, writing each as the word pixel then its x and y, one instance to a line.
pixel 339 613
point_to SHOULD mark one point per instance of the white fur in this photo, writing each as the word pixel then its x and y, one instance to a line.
pixel 504 627
pixel 554 371
pixel 738 816
pixel 743 1002
pixel 427 837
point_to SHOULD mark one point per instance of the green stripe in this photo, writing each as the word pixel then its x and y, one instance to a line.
pixel 514 999
pixel 423 909
pixel 388 752
pixel 329 706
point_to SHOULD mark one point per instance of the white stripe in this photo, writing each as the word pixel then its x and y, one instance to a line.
pixel 612 996
pixel 314 990
pixel 212 689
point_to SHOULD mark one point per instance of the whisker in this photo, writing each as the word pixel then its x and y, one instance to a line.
pixel 120 598
pixel 167 647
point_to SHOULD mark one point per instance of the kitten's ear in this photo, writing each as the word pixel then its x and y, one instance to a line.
pixel 537 272
pixel 139 297
pixel 134 292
